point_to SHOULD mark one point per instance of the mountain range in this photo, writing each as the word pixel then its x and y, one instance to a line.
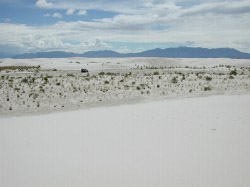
pixel 179 52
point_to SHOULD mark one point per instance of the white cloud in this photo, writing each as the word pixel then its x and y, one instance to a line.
pixel 123 49
pixel 47 15
pixel 41 43
pixel 6 20
pixel 57 15
pixel 70 11
pixel 82 12
pixel 43 4
pixel 213 24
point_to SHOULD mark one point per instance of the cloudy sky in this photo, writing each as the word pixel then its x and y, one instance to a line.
pixel 122 25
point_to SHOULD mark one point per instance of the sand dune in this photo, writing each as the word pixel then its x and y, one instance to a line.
pixel 191 142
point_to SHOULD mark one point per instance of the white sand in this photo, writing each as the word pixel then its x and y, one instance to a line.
pixel 200 142
pixel 121 63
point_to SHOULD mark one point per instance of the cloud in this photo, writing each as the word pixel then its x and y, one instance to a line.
pixel 82 12
pixel 6 20
pixel 22 39
pixel 70 11
pixel 43 4
pixel 57 15
pixel 197 23
pixel 47 15
pixel 41 43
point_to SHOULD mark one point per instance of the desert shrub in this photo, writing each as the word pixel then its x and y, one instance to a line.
pixel 109 73
pixel 142 86
pixel 102 73
pixel 70 75
pixel 106 82
pixel 35 96
pixel 207 88
pixel 233 72
pixel 46 79
pixel 138 88
pixel 174 80
pixel 231 77
pixel 58 83
pixel 25 80
pixel 183 77
pixel 156 73
pixel 42 90
pixel 208 78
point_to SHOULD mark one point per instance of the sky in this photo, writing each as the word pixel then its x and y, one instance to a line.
pixel 28 26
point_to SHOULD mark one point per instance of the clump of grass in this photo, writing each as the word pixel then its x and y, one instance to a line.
pixel 174 80
pixel 183 77
pixel 208 78
pixel 233 72
pixel 70 75
pixel 156 73
pixel 207 88
pixel 25 80
pixel 102 73
pixel 19 68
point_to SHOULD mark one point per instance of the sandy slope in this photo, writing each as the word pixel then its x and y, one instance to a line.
pixel 181 143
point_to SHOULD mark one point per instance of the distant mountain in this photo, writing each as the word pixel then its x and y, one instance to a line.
pixel 52 54
pixel 179 52
pixel 189 52
pixel 101 54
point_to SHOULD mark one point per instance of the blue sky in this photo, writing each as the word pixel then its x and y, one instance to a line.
pixel 123 26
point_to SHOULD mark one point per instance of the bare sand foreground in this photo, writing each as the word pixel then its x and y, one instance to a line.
pixel 190 142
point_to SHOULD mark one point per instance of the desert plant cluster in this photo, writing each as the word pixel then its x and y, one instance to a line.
pixel 34 91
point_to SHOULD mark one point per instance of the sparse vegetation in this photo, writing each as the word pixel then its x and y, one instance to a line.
pixel 35 91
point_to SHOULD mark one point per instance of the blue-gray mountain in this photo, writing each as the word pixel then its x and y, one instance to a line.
pixel 179 52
